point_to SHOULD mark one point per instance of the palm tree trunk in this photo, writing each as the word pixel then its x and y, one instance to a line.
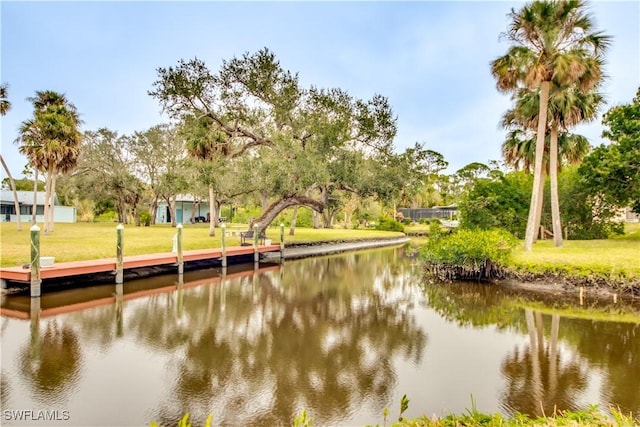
pixel 52 206
pixel 212 212
pixel 34 208
pixel 47 196
pixel 15 193
pixel 540 208
pixel 553 175
pixel 532 226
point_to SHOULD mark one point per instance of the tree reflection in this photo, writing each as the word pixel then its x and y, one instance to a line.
pixel 538 376
pixel 321 333
pixel 538 380
pixel 51 362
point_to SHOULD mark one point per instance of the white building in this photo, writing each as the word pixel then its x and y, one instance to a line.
pixel 25 202
pixel 185 206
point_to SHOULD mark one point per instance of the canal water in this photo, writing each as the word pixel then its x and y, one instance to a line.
pixel 343 337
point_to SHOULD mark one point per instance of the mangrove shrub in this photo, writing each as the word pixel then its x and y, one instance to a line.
pixel 468 254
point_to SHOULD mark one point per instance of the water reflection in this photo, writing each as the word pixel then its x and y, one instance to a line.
pixel 50 362
pixel 341 336
pixel 552 370
pixel 539 379
pixel 319 334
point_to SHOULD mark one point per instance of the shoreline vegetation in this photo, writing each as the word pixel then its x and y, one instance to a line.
pixel 606 265
pixel 590 416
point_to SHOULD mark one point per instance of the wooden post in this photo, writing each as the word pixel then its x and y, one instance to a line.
pixel 282 240
pixel 35 262
pixel 180 259
pixel 256 254
pixel 223 227
pixel 119 250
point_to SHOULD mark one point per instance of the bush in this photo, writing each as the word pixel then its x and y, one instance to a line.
pixel 468 254
pixel 389 224
pixel 145 218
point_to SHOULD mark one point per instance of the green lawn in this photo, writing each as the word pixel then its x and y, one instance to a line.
pixel 618 256
pixel 81 241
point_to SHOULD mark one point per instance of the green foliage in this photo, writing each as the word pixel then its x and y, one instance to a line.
pixel 613 171
pixel 586 216
pixel 145 218
pixel 184 421
pixel 404 405
pixel 502 202
pixel 303 218
pixel 22 184
pixel 389 224
pixel 303 420
pixel 469 254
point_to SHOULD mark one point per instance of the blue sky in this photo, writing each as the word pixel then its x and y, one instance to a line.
pixel 431 59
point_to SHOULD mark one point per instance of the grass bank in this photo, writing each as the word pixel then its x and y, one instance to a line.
pixel 614 262
pixel 83 241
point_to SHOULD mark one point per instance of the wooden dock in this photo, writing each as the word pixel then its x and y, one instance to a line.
pixel 78 268
pixel 23 312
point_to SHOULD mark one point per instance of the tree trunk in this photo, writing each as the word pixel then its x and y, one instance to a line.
pixel 172 211
pixel 154 210
pixel 52 202
pixel 47 197
pixel 212 212
pixel 316 220
pixel 540 207
pixel 193 210
pixel 264 200
pixel 294 219
pixel 273 210
pixel 122 210
pixel 16 204
pixel 553 175
pixel 34 208
pixel 532 227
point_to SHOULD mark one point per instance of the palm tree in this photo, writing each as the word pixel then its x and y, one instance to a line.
pixel 207 143
pixel 5 106
pixel 566 108
pixel 51 142
pixel 552 41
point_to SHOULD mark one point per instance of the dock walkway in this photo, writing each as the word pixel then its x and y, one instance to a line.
pixel 78 268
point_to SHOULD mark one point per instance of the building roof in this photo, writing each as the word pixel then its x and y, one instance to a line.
pixel 24 197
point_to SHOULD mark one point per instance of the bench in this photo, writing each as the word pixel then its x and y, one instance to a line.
pixel 246 238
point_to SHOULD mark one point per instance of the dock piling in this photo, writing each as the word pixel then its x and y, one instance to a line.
pixel 119 250
pixel 180 258
pixel 36 282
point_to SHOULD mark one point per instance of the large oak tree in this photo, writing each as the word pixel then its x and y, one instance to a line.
pixel 298 137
